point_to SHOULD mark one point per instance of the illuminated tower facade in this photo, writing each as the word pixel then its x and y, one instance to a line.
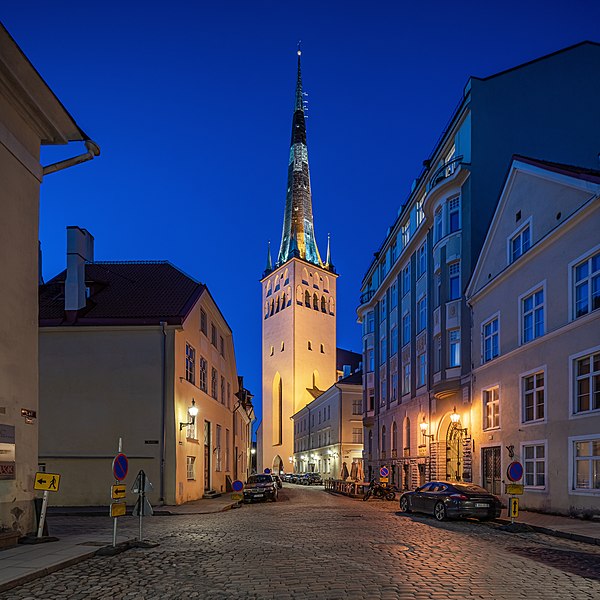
pixel 299 304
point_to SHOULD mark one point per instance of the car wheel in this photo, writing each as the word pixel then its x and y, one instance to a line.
pixel 404 505
pixel 439 511
pixel 390 496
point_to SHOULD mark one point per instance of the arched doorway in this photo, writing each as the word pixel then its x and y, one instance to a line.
pixel 277 465
pixel 454 451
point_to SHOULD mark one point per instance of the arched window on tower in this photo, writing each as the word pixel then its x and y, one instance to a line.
pixel 277 305
pixel 266 309
pixel 307 298
pixel 288 295
pixel 331 306
pixel 304 276
pixel 283 301
pixel 286 277
pixel 323 304
pixel 299 295
pixel 315 302
pixel 326 284
pixel 272 306
pixel 269 288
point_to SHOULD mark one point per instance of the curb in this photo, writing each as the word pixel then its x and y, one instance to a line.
pixel 577 537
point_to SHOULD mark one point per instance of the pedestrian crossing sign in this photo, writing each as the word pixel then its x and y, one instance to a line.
pixel 48 482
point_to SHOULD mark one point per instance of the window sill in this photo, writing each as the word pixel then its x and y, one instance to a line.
pixel 535 489
pixel 584 492
pixel 534 422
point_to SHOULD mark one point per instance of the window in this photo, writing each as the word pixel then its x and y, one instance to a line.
pixel 393 253
pixel 453 215
pixel 370 322
pixel 437 225
pixel 219 466
pixel 203 374
pixel 191 467
pixel 357 406
pixel 228 395
pixel 394 341
pixel 422 372
pixel 323 351
pixel 307 298
pixel 587 383
pixel 532 316
pixel 394 437
pixel 394 386
pixel 422 260
pixel 533 397
pixel 586 468
pixel 405 233
pixel 222 389
pixel 222 345
pixel 491 408
pixel 437 353
pixel 323 304
pixel 371 399
pixel 227 467
pixel 491 344
pixel 309 345
pixel 454 280
pixel 357 435
pixel 406 279
pixel 534 457
pixel 420 213
pixel 406 378
pixel 370 360
pixel 405 328
pixel 382 309
pixel 383 356
pixel 586 276
pixel 393 297
pixel 203 322
pixel 454 348
pixel 213 383
pixel 422 314
pixel 383 439
pixel 520 243
pixel 190 363
pixel 213 335
pixel 382 270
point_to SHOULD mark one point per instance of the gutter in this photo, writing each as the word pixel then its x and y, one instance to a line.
pixel 93 150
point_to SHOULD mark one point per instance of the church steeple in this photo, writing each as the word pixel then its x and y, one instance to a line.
pixel 298 235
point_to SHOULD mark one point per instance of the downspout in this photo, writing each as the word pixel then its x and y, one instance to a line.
pixel 163 441
pixel 93 150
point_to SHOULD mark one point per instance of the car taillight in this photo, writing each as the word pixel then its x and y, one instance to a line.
pixel 459 497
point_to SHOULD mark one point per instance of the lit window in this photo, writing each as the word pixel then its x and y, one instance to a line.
pixel 491 344
pixel 532 314
pixel 406 378
pixel 491 408
pixel 587 383
pixel 454 348
pixel 586 277
pixel 190 363
pixel 213 383
pixel 534 402
pixel 454 280
pixel 520 243
pixel 203 374
pixel 420 213
pixel 534 457
pixel 191 467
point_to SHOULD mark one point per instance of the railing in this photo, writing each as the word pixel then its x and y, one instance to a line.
pixel 347 488
pixel 444 172
pixel 365 297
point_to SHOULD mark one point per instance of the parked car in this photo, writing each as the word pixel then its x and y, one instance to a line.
pixel 310 479
pixel 260 487
pixel 448 499
pixel 278 481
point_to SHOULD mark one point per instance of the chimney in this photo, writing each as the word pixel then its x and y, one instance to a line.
pixel 80 248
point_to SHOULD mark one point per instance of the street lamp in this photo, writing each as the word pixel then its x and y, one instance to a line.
pixel 192 413
pixel 253 451
pixel 424 425
pixel 455 418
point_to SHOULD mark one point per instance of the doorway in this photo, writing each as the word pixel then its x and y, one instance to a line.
pixel 207 456
pixel 491 469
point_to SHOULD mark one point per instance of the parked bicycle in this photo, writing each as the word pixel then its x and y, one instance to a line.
pixel 377 490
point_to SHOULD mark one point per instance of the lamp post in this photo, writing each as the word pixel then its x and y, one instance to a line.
pixel 423 425
pixel 192 414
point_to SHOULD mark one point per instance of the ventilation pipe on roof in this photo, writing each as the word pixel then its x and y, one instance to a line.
pixel 92 150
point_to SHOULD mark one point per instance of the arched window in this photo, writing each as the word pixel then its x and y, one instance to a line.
pixel 266 309
pixel 370 441
pixel 322 349
pixel 286 278
pixel 288 295
pixel 304 276
pixel 272 306
pixel 323 304
pixel 283 301
pixel 277 305
pixel 299 295
pixel 394 436
pixel 309 345
pixel 407 434
pixel 315 302
pixel 331 306
pixel 269 288
pixel 326 284
pixel 383 438
pixel 307 298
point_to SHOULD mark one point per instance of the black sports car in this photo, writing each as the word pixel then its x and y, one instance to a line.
pixel 450 499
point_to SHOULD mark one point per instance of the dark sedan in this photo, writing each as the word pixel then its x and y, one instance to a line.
pixel 446 499
pixel 260 487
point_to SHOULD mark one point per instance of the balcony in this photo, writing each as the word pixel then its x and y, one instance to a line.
pixel 446 170
pixel 366 297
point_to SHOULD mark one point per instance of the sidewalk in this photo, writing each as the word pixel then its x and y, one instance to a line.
pixel 27 562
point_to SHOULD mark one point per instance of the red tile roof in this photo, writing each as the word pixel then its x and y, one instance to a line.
pixel 584 173
pixel 124 293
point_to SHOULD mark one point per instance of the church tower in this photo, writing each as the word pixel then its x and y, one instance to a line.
pixel 299 304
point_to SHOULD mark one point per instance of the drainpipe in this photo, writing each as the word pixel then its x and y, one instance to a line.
pixel 163 441
pixel 92 150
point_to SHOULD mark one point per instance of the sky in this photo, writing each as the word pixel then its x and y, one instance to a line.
pixel 191 104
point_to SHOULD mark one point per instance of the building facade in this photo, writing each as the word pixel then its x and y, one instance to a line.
pixel 299 304
pixel 328 431
pixel 416 324
pixel 535 299
pixel 30 116
pixel 137 351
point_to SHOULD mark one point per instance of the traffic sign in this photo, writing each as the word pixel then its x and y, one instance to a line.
pixel 384 471
pixel 515 471
pixel 237 486
pixel 117 509
pixel 513 507
pixel 514 488
pixel 383 479
pixel 118 492
pixel 236 497
pixel 136 488
pixel 120 466
pixel 46 481
pixel 142 508
pixel 267 471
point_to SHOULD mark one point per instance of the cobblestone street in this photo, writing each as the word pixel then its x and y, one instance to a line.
pixel 314 545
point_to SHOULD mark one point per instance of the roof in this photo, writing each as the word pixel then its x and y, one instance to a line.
pixel 347 357
pixel 584 173
pixel 124 293
pixel 353 379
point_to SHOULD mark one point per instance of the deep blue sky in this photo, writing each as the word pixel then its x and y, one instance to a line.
pixel 191 103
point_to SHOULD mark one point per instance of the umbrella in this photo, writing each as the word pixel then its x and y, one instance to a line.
pixel 344 474
pixel 360 475
pixel 354 471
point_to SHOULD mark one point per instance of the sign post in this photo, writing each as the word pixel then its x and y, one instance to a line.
pixel 120 466
pixel 142 506
pixel 48 482
pixel 237 487
pixel 514 473
pixel 384 475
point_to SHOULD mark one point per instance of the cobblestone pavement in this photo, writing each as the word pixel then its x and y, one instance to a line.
pixel 314 545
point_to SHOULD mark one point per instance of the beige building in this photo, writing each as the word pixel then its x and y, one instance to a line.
pixel 328 431
pixel 30 116
pixel 535 298
pixel 128 350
